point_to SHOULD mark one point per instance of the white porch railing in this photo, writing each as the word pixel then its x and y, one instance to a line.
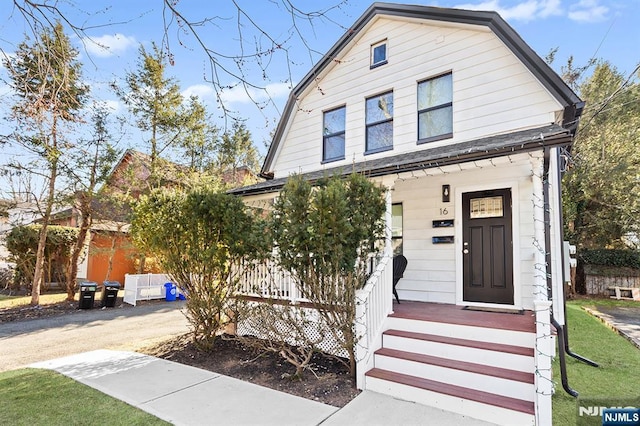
pixel 144 287
pixel 373 304
pixel 268 280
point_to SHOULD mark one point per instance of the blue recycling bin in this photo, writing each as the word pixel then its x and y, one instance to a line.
pixel 170 292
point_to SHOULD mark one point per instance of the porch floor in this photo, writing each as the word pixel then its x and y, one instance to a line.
pixel 455 314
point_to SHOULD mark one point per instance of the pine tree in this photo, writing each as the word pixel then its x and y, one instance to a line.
pixel 45 76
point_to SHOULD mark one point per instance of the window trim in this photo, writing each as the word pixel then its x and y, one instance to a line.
pixel 449 104
pixel 367 150
pixel 372 64
pixel 326 160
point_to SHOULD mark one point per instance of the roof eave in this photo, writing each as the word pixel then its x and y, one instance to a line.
pixel 561 139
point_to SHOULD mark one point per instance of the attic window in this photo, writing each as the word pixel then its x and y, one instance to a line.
pixel 379 54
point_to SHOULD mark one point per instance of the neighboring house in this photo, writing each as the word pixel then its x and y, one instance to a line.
pixel 17 213
pixel 466 126
pixel 110 251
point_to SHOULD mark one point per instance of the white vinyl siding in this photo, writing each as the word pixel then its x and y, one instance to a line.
pixel 493 92
pixel 431 271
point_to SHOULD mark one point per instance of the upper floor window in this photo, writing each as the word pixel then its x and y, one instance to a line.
pixel 379 121
pixel 379 54
pixel 333 134
pixel 435 109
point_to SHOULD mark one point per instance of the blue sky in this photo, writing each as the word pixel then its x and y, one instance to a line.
pixel 606 29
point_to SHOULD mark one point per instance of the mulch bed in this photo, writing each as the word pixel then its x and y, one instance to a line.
pixel 329 382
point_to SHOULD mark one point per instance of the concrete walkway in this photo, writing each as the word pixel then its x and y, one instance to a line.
pixel 185 395
pixel 625 320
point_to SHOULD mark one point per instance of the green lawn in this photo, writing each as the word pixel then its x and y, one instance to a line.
pixel 619 373
pixel 41 397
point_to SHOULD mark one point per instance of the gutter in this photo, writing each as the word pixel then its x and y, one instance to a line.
pixel 548 141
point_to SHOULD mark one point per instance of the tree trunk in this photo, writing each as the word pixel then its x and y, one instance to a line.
pixel 85 224
pixel 112 252
pixel 38 274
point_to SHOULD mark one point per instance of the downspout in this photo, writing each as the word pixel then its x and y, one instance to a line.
pixel 547 242
pixel 565 329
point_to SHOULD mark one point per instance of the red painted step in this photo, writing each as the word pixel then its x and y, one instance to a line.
pixel 487 370
pixel 517 350
pixel 455 391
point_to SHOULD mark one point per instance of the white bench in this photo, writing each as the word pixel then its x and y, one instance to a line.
pixel 624 293
pixel 144 287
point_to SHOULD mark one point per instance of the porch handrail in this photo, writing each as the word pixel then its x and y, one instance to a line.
pixel 373 305
pixel 267 279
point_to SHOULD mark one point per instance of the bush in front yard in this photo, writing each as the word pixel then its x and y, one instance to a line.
pixel 324 235
pixel 198 236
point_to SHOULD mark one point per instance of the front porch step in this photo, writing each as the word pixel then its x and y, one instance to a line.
pixel 478 404
pixel 463 331
pixel 475 363
pixel 501 381
pixel 510 357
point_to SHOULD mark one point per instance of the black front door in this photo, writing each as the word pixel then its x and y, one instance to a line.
pixel 487 247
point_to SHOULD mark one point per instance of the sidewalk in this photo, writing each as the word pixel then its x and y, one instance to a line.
pixel 185 395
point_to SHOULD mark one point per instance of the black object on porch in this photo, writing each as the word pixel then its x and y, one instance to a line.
pixel 399 265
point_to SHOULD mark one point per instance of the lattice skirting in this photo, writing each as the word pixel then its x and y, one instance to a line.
pixel 310 324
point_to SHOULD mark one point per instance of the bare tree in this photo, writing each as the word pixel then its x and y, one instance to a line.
pixel 246 59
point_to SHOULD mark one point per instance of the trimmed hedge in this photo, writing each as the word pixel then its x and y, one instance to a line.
pixel 610 257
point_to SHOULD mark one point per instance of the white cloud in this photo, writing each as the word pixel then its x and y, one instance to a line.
pixel 108 45
pixel 588 11
pixel 111 105
pixel 241 94
pixel 523 11
pixel 202 91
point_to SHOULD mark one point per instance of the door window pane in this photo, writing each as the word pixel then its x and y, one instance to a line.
pixel 486 207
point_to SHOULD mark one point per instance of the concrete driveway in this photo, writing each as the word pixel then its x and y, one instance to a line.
pixel 121 328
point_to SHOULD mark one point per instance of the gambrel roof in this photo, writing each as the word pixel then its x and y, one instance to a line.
pixel 570 102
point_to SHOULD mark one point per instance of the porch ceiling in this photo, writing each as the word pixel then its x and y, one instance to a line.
pixel 479 149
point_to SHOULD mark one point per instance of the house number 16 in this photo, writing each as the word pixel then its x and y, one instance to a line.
pixel 444 211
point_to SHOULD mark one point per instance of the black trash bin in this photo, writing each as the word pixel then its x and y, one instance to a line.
pixel 87 294
pixel 110 293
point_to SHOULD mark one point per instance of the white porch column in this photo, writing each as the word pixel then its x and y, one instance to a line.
pixel 544 353
pixel 544 347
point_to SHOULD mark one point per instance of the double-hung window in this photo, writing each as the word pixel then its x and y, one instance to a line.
pixel 379 54
pixel 379 123
pixel 435 109
pixel 333 134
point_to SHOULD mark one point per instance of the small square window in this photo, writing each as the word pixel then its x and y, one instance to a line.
pixel 379 54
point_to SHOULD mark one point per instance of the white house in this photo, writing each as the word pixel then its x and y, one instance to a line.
pixel 466 126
